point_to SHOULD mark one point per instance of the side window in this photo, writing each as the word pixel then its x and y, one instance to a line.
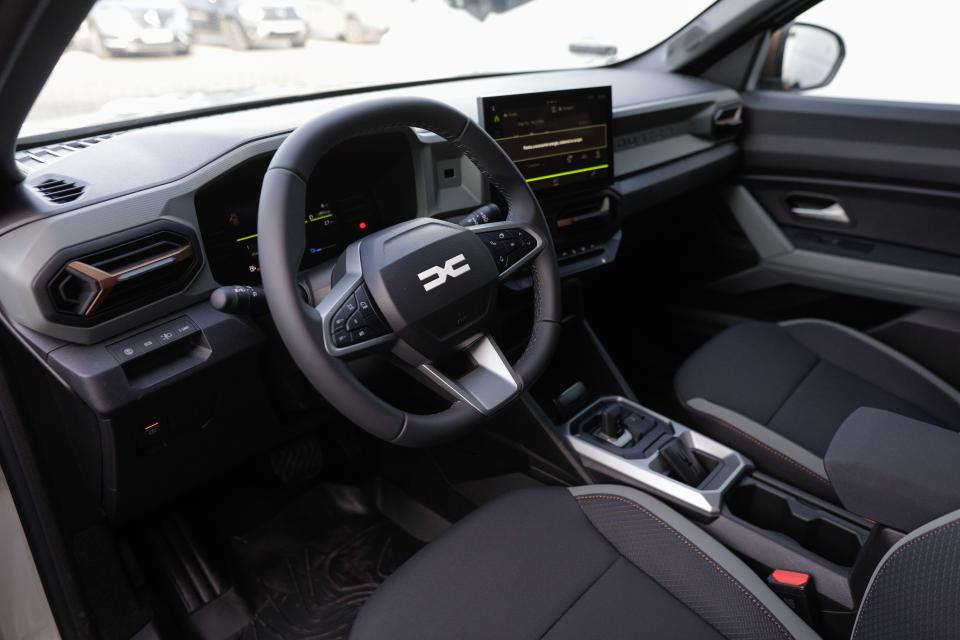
pixel 867 49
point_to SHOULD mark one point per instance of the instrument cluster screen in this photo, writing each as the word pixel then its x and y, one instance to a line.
pixel 360 187
pixel 556 138
pixel 329 226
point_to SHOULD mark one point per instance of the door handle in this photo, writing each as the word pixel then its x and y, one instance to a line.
pixel 831 213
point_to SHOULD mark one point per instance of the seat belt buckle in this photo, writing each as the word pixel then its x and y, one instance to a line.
pixel 796 590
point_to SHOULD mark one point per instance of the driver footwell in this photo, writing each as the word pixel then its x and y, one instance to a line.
pixel 306 572
pixel 258 561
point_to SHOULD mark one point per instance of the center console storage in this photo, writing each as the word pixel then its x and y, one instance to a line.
pixel 828 536
pixel 772 525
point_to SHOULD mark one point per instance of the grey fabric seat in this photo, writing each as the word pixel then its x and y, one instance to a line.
pixel 779 393
pixel 611 562
pixel 595 562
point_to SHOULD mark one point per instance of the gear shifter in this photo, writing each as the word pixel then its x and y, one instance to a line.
pixel 611 429
pixel 610 422
pixel 684 462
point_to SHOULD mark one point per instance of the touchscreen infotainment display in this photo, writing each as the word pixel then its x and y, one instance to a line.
pixel 556 138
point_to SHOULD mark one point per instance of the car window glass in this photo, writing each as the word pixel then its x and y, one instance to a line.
pixel 898 51
pixel 133 59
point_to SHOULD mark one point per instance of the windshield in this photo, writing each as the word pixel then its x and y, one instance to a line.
pixel 141 58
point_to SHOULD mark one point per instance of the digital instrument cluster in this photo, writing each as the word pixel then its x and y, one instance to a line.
pixel 346 200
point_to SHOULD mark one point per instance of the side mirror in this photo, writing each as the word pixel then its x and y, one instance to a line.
pixel 802 57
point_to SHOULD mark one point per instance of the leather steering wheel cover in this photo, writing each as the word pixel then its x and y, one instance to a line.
pixel 281 243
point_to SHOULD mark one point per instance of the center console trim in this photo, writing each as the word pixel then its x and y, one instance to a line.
pixel 642 473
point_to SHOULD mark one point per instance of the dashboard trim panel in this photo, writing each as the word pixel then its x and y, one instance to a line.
pixel 175 166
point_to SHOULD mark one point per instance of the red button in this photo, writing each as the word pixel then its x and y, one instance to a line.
pixel 790 578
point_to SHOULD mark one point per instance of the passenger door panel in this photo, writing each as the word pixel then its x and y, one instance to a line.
pixel 876 186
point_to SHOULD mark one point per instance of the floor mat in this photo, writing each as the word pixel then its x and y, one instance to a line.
pixel 306 573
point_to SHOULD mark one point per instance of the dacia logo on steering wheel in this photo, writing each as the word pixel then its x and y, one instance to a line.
pixel 439 275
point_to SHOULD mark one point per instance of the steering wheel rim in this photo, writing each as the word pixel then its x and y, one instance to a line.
pixel 306 330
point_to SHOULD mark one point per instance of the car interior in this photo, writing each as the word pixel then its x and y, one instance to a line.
pixel 655 349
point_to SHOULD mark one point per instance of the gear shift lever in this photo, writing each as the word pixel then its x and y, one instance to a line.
pixel 610 422
pixel 611 428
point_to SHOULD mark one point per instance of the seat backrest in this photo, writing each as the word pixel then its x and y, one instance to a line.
pixel 915 591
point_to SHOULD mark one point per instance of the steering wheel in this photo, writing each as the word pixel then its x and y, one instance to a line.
pixel 423 290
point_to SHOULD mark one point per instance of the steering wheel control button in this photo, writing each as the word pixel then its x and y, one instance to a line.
pixel 508 246
pixel 344 313
pixel 363 302
pixel 356 320
pixel 360 335
pixel 350 305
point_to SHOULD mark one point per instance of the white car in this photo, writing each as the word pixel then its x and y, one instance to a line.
pixel 354 21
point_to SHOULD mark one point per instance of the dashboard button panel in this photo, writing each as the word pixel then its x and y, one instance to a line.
pixel 153 339
pixel 356 320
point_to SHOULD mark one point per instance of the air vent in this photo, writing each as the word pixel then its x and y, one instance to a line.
pixel 60 191
pixel 577 211
pixel 124 276
pixel 29 160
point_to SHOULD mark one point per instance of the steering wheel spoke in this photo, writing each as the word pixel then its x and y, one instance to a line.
pixel 487 387
pixel 512 245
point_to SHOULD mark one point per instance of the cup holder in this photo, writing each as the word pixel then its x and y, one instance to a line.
pixel 815 530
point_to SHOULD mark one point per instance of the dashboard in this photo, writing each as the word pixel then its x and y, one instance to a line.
pixel 634 133
pixel 637 137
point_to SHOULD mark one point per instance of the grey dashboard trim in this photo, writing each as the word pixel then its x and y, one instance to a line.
pixel 164 153
pixel 179 158
pixel 25 250
pixel 848 275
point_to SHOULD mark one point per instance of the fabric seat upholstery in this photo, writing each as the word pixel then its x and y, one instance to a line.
pixel 556 564
pixel 779 393
pixel 611 562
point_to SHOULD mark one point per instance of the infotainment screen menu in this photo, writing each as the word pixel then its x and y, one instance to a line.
pixel 556 138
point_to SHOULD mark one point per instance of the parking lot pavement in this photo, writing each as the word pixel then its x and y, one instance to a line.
pixel 119 88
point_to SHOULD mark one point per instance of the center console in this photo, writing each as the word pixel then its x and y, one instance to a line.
pixel 771 524
pixel 777 529
pixel 635 445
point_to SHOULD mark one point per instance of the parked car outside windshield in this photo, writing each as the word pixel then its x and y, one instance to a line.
pixel 129 62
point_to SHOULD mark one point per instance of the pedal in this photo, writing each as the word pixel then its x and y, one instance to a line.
pixel 299 461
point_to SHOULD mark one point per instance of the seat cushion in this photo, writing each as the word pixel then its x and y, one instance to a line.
pixel 595 562
pixel 779 393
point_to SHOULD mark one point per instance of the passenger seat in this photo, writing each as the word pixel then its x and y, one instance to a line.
pixel 779 393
